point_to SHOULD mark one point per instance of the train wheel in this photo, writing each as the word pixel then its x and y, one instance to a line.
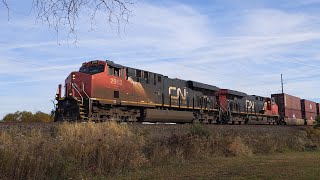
pixel 246 121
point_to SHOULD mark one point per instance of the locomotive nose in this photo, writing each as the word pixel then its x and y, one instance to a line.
pixel 75 77
pixel 80 79
pixel 77 84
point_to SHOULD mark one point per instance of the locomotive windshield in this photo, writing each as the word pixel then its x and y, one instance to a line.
pixel 92 69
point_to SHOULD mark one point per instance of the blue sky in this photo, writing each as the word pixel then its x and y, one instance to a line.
pixel 242 45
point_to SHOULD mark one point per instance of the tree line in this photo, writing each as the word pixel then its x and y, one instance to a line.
pixel 27 116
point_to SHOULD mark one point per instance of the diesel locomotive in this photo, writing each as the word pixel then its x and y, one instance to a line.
pixel 105 91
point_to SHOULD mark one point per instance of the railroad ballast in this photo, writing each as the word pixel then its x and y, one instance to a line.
pixel 105 91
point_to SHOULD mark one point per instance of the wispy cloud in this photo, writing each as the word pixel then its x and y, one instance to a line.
pixel 246 50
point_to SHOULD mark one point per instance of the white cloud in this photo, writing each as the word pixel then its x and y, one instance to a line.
pixel 178 41
pixel 273 22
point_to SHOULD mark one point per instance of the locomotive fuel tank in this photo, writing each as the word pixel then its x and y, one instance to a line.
pixel 166 116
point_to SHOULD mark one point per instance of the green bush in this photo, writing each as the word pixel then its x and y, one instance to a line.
pixel 199 130
pixel 26 116
pixel 317 125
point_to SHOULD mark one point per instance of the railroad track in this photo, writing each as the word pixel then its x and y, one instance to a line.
pixel 167 130
pixel 146 124
pixel 27 123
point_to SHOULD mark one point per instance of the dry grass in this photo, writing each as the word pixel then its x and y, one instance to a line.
pixel 201 143
pixel 301 165
pixel 83 151
pixel 72 151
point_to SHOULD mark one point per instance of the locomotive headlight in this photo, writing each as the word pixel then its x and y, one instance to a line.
pixel 73 76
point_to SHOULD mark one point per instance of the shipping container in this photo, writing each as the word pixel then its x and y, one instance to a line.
pixel 287 101
pixel 289 108
pixel 309 111
pixel 293 117
pixel 308 106
pixel 293 114
pixel 310 118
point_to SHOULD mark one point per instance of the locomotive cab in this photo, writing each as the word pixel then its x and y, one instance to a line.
pixel 92 77
pixel 270 107
pixel 78 84
pixel 76 101
pixel 102 81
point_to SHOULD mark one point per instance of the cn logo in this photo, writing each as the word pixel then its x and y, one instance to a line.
pixel 182 93
pixel 249 104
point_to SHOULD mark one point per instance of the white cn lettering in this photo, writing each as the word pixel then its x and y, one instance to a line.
pixel 182 94
pixel 249 104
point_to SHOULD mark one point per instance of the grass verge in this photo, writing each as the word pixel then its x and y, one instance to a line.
pixel 82 151
pixel 302 165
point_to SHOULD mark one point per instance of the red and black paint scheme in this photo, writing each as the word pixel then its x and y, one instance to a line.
pixel 238 107
pixel 103 91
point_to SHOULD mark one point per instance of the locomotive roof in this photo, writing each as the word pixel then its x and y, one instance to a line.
pixel 193 84
pixel 111 63
pixel 236 93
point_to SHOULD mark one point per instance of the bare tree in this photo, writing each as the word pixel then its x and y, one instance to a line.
pixel 6 5
pixel 65 13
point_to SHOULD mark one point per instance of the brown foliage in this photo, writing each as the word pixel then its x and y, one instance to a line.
pixel 71 151
pixel 84 151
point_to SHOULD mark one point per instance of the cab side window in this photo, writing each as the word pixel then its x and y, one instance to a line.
pixel 110 71
pixel 138 75
pixel 115 71
pixel 146 76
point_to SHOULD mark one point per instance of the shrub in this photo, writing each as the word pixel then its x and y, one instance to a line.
pixel 199 130
pixel 313 136
pixel 26 116
pixel 317 125
pixel 75 151
pixel 89 150
pixel 238 148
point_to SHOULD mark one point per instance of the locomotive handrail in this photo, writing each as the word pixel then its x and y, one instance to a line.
pixel 78 92
pixel 84 91
pixel 86 95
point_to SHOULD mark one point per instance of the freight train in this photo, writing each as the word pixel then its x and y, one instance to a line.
pixel 105 91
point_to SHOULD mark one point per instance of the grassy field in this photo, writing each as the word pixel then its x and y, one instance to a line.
pixel 86 151
pixel 278 166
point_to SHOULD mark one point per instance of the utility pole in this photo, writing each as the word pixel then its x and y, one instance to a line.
pixel 281 84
